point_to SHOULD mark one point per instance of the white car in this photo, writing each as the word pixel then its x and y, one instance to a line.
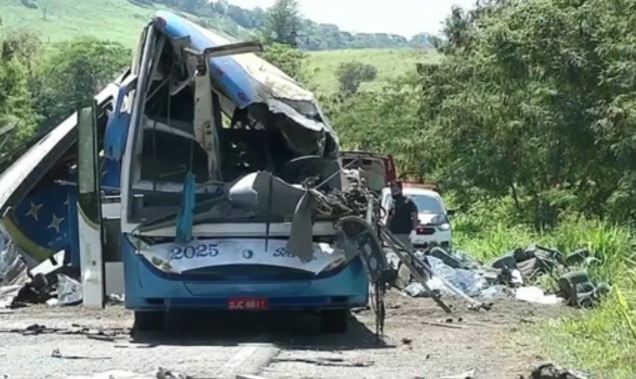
pixel 432 213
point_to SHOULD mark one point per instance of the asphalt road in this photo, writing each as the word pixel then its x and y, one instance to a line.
pixel 419 343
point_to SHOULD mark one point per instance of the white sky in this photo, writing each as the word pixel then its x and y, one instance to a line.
pixel 405 17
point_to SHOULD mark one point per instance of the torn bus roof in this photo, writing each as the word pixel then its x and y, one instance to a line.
pixel 247 79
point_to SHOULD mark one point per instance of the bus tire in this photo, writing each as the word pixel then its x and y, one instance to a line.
pixel 148 321
pixel 334 321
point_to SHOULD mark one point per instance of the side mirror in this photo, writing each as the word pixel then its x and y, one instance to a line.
pixel 451 212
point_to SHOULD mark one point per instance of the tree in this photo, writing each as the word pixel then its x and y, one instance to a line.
pixel 25 47
pixel 74 73
pixel 16 104
pixel 352 74
pixel 536 99
pixel 289 59
pixel 385 121
pixel 423 40
pixel 282 22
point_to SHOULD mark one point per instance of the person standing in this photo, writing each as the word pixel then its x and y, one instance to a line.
pixel 402 221
pixel 402 215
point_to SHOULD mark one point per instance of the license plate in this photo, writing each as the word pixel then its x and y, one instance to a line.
pixel 247 304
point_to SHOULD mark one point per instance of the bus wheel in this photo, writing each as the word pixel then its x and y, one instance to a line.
pixel 148 321
pixel 334 321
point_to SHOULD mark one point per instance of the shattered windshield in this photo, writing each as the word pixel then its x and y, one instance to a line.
pixel 191 125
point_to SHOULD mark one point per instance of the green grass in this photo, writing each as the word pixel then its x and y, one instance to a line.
pixel 116 20
pixel 602 340
pixel 390 63
pixel 123 21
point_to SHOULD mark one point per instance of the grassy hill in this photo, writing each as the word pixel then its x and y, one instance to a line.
pixel 117 20
pixel 123 20
pixel 390 63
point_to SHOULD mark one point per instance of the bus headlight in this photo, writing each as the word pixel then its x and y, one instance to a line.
pixel 138 243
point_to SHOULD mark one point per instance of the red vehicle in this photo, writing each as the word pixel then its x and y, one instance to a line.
pixel 378 169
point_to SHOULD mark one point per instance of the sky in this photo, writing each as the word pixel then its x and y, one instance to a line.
pixel 405 17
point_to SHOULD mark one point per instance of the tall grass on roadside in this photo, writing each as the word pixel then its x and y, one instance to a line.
pixel 602 340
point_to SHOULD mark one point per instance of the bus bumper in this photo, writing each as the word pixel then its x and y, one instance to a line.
pixel 147 289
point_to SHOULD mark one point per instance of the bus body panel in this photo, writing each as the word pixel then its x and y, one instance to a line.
pixel 149 289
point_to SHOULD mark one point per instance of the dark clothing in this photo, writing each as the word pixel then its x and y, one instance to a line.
pixel 401 216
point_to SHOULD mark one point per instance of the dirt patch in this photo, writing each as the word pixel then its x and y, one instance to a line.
pixel 422 341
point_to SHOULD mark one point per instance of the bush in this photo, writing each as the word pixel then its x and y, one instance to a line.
pixel 352 74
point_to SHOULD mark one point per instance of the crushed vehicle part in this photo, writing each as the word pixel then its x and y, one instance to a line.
pixel 436 284
pixel 577 258
pixel 467 281
pixel 12 266
pixel 69 291
pixel 419 269
pixel 13 275
pixel 448 259
pixel 360 238
pixel 578 290
pixel 8 294
pixel 531 261
pixel 372 170
pixel 49 266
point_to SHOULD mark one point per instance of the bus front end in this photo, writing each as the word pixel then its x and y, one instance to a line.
pixel 222 155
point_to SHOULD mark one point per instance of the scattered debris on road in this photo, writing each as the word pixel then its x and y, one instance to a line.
pixel 443 325
pixel 166 374
pixel 470 374
pixel 104 334
pixel 330 362
pixel 407 341
pixel 550 371
pixel 57 354
pixel 120 374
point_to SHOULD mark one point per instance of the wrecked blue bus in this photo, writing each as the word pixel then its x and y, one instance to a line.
pixel 190 179
pixel 218 147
